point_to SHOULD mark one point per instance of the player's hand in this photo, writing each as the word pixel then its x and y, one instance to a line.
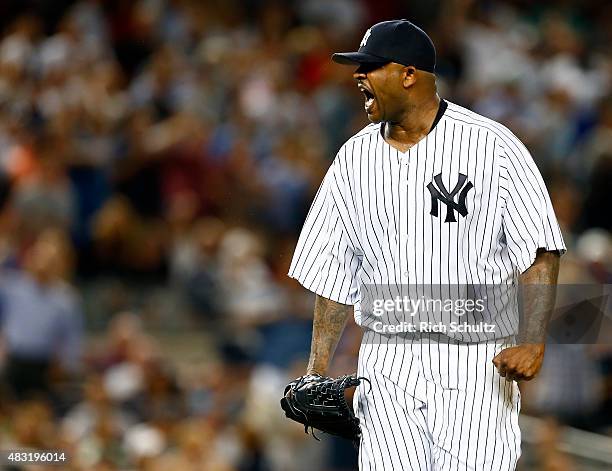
pixel 520 363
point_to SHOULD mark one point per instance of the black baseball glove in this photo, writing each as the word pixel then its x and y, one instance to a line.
pixel 318 402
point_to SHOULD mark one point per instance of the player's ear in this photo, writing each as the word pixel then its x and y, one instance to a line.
pixel 409 76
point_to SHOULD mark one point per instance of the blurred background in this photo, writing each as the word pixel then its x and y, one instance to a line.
pixel 157 160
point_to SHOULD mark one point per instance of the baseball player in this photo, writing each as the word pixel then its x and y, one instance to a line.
pixel 429 193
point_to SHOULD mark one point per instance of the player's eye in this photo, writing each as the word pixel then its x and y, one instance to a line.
pixel 369 67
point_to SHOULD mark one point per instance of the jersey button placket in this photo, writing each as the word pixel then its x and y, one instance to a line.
pixel 410 214
pixel 403 217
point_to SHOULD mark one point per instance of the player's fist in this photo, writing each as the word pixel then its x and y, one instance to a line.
pixel 520 363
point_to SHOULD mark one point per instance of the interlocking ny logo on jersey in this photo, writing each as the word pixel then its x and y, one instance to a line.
pixel 365 38
pixel 440 193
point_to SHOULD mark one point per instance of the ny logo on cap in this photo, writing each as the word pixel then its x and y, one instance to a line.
pixel 448 198
pixel 365 37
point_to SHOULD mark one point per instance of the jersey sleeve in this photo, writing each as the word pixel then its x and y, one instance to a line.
pixel 324 260
pixel 529 221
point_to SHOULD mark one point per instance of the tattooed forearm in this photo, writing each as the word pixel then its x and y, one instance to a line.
pixel 329 320
pixel 538 289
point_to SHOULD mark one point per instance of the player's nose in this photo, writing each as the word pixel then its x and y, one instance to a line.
pixel 359 75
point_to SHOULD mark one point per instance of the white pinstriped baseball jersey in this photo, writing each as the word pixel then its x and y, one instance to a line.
pixel 375 220
pixel 466 205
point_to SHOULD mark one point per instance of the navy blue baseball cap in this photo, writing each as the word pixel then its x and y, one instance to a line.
pixel 393 41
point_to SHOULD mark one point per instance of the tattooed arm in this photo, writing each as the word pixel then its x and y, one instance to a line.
pixel 538 288
pixel 539 285
pixel 329 320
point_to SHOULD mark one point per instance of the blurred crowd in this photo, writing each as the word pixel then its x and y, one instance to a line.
pixel 161 155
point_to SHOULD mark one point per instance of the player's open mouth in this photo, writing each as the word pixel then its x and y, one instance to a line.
pixel 369 98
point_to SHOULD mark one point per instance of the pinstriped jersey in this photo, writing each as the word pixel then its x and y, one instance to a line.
pixel 464 205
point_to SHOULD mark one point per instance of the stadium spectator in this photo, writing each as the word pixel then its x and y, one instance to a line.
pixel 41 323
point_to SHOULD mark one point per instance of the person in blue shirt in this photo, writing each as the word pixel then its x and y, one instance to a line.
pixel 40 317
